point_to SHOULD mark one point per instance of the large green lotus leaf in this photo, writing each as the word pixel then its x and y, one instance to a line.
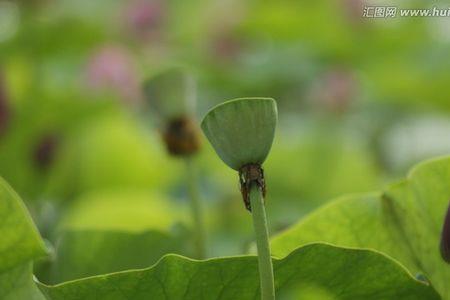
pixel 315 166
pixel 113 231
pixel 19 238
pixel 17 284
pixel 20 243
pixel 356 221
pixel 82 253
pixel 342 272
pixel 404 222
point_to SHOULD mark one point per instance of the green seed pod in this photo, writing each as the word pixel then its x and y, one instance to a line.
pixel 170 93
pixel 241 131
pixel 171 97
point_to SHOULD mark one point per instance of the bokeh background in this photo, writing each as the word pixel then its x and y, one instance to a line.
pixel 360 101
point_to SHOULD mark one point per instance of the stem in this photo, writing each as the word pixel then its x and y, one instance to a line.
pixel 196 208
pixel 262 243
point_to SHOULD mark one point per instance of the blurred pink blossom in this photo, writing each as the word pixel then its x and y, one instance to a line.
pixel 335 90
pixel 145 19
pixel 224 42
pixel 111 68
pixel 225 46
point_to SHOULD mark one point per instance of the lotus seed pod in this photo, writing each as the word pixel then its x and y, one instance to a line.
pixel 241 131
pixel 166 93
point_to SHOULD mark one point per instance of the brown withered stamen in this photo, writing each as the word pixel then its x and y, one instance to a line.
pixel 248 175
pixel 181 136
pixel 45 151
pixel 445 237
pixel 4 106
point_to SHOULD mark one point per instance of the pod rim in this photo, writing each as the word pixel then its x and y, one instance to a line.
pixel 235 100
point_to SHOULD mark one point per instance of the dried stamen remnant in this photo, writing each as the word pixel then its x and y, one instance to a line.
pixel 45 151
pixel 4 107
pixel 445 238
pixel 248 175
pixel 181 136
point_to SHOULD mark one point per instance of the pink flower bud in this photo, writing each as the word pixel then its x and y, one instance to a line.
pixel 145 19
pixel 335 90
pixel 111 68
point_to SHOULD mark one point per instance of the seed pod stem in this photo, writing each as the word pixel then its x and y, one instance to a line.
pixel 241 132
pixel 172 95
pixel 262 243
pixel 196 208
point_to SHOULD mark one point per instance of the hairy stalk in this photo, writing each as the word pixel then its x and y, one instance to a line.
pixel 196 208
pixel 262 243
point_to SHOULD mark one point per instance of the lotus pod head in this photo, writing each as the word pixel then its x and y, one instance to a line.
pixel 166 92
pixel 241 131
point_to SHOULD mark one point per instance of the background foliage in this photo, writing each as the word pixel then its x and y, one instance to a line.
pixel 360 102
